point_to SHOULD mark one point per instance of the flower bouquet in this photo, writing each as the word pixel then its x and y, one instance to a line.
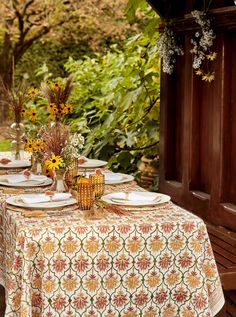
pixel 61 150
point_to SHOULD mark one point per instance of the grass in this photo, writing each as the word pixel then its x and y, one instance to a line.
pixel 5 145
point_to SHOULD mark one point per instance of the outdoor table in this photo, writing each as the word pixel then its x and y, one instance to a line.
pixel 149 261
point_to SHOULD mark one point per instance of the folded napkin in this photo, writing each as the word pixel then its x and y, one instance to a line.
pixel 18 178
pixel 113 176
pixel 42 198
pixel 135 196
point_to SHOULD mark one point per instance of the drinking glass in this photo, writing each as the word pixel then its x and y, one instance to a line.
pixel 99 182
pixel 86 195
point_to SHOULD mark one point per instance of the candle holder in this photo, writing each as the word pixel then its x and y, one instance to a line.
pixel 86 195
pixel 99 184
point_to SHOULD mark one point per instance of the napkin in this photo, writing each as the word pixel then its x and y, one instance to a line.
pixel 135 196
pixel 113 176
pixel 42 198
pixel 18 178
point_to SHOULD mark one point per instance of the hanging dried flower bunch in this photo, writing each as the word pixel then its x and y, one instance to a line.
pixel 168 48
pixel 202 43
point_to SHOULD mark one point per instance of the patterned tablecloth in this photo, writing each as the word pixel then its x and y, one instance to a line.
pixel 147 262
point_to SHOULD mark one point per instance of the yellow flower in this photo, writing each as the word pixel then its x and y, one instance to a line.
pixel 54 162
pixel 212 56
pixel 199 72
pixel 55 86
pixel 32 92
pixel 29 145
pixel 209 77
pixel 39 145
pixel 67 108
pixel 31 113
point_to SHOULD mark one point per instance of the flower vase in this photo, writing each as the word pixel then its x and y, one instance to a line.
pixel 36 165
pixel 59 185
pixel 17 133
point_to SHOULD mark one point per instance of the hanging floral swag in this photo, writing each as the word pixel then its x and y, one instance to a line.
pixel 168 48
pixel 202 42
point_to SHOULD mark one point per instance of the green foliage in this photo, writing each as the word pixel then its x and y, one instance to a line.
pixel 5 145
pixel 117 102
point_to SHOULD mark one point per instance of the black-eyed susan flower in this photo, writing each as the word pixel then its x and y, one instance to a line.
pixel 29 145
pixel 32 114
pixel 212 56
pixel 32 92
pixel 54 162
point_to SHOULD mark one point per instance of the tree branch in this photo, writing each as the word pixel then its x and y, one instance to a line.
pixel 126 148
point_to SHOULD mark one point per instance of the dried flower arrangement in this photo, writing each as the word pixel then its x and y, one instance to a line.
pixel 57 96
pixel 202 43
pixel 61 147
pixel 168 48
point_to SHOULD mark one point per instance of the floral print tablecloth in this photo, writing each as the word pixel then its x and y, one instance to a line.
pixel 151 262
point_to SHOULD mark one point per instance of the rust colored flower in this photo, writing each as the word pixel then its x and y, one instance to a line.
pixel 59 302
pixel 102 262
pixel 124 228
pixel 165 261
pixel 36 299
pixel 17 262
pixel 145 228
pixel 167 227
pixel 101 301
pixel 180 295
pixel 143 262
pixel 141 298
pixel 161 296
pixel 103 228
pixel 188 226
pixel 81 264
pixel 199 301
pixel 81 230
pixel 119 299
pixel 80 301
pixel 185 260
pixel 122 263
pixel 59 264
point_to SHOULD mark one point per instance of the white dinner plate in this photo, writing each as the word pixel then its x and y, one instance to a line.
pixel 16 201
pixel 113 178
pixel 135 198
pixel 27 183
pixel 91 163
pixel 15 164
pixel 121 178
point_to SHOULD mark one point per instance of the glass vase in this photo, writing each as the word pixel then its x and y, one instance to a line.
pixel 59 185
pixel 36 165
pixel 17 133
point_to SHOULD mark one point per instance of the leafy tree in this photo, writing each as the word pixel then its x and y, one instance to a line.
pixel 23 22
pixel 117 102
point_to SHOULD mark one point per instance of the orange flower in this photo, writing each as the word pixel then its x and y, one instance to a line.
pixel 134 245
pixel 48 246
pixel 111 281
pixel 81 264
pixel 132 281
pixel 193 280
pixel 92 245
pixel 91 283
pixel 112 244
pixel 122 263
pixel 153 279
pixel 70 245
pixel 49 284
pixel 69 283
pixel 172 278
pixel 156 244
pixel 176 243
pixel 196 245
